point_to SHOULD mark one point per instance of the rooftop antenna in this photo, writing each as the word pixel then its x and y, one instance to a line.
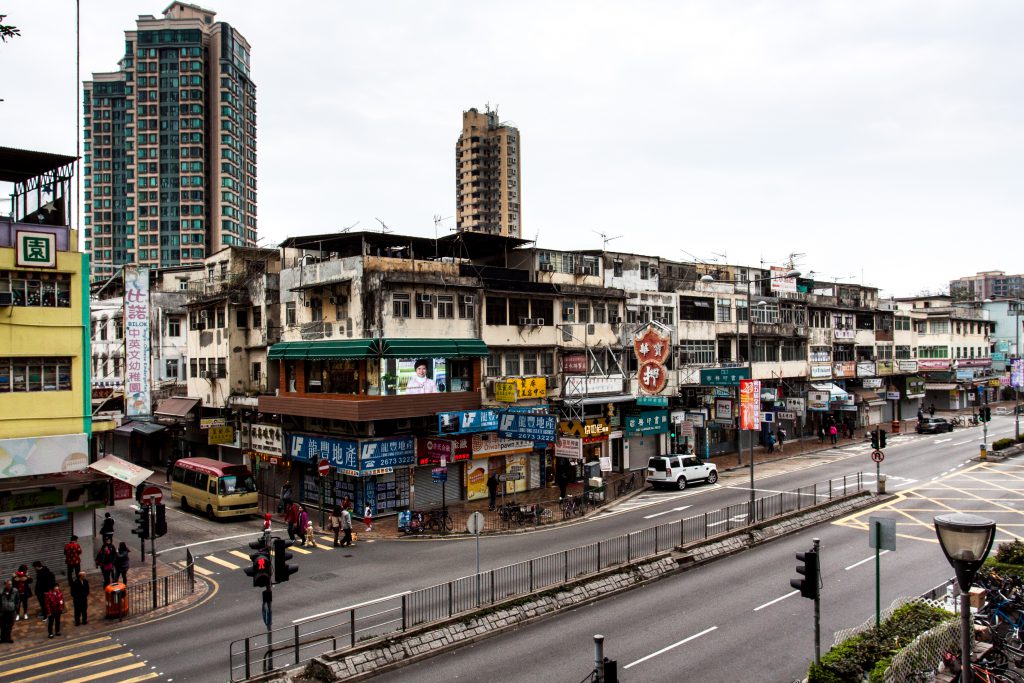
pixel 605 239
pixel 698 259
pixel 793 260
pixel 724 256
pixel 349 227
pixel 437 221
pixel 383 227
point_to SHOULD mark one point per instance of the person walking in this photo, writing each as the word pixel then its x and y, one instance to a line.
pixel 45 581
pixel 334 523
pixel 73 557
pixel 23 584
pixel 286 497
pixel 105 559
pixel 346 527
pixel 291 518
pixel 54 608
pixel 492 491
pixel 367 518
pixel 301 523
pixel 80 598
pixel 107 529
pixel 770 442
pixel 9 601
pixel 781 438
pixel 121 562
pixel 931 410
pixel 920 416
pixel 833 434
pixel 821 434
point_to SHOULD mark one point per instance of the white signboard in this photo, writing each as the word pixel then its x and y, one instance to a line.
pixel 795 405
pixel 786 415
pixel 906 365
pixel 782 284
pixel 262 438
pixel 723 409
pixel 138 401
pixel 866 368
pixel 606 463
pixel 696 418
pixel 872 383
pixel 892 395
pixel 492 443
pixel 34 455
pixel 587 385
pixel 569 447
pixel 821 371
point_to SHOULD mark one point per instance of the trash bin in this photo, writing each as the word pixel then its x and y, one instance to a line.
pixel 117 600
pixel 881 484
pixel 895 426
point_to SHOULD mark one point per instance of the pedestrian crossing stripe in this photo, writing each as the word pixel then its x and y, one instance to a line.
pixel 203 570
pixel 239 554
pixel 78 667
pixel 217 560
pixel 51 650
pixel 301 550
pixel 143 677
pixel 111 672
pixel 48 662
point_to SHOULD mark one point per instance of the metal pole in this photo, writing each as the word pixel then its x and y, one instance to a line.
pixel 750 366
pixel 878 574
pixel 817 607
pixel 1016 352
pixel 152 542
pixel 599 658
pixel 965 634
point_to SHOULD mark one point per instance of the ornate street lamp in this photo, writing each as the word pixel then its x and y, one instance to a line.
pixel 966 541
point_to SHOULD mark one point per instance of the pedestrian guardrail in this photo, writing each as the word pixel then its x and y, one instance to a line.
pixel 146 596
pixel 347 627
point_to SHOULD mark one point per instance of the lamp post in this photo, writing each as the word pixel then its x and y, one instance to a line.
pixel 1016 353
pixel 966 541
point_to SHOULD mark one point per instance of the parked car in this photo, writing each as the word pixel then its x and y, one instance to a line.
pixel 679 470
pixel 934 425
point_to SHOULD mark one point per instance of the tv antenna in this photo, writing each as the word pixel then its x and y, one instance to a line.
pixel 605 239
pixel 383 226
pixel 349 227
pixel 438 220
pixel 724 256
pixel 698 259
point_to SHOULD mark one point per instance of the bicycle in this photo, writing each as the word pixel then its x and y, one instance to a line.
pixel 627 484
pixel 569 507
pixel 439 521
pixel 956 421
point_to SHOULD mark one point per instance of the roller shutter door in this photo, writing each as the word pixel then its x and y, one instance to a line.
pixel 428 494
pixel 44 542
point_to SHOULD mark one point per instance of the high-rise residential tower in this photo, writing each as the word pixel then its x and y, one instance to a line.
pixel 170 145
pixel 487 179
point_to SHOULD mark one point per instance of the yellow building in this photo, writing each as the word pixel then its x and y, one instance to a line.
pixel 47 491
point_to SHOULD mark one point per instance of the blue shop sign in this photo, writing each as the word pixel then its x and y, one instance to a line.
pixel 647 422
pixel 723 377
pixel 341 453
pixel 467 421
pixel 383 453
pixel 528 427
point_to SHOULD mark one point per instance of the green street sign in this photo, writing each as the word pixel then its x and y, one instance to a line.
pixel 723 377
pixel 655 401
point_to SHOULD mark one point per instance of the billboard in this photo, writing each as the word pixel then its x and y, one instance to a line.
pixel 138 400
pixel 782 284
pixel 750 404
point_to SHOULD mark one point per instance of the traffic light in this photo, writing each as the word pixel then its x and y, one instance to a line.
pixel 986 414
pixel 281 556
pixel 878 439
pixel 142 522
pixel 161 520
pixel 261 569
pixel 808 585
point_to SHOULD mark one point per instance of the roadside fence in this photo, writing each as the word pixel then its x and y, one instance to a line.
pixel 146 596
pixel 347 627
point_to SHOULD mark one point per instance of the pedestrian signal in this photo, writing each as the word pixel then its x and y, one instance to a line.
pixel 261 570
pixel 282 569
pixel 808 585
pixel 160 525
pixel 142 522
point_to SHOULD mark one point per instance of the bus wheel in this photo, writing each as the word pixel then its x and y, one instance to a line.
pixel 209 512
pixel 184 503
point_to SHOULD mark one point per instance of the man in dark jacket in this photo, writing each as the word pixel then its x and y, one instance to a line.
pixel 8 607
pixel 80 597
pixel 45 580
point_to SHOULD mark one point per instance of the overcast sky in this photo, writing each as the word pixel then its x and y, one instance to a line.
pixel 880 141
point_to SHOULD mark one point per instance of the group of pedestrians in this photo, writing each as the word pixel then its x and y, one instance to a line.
pixel 300 524
pixel 776 440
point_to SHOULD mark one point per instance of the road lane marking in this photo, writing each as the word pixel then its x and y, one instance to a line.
pixel 938 441
pixel 50 651
pixel 144 677
pixel 299 549
pixel 217 560
pixel 239 554
pixel 667 512
pixel 867 559
pixel 202 570
pixel 78 667
pixel 670 647
pixel 350 607
pixel 768 604
pixel 111 672
pixel 250 534
pixel 734 518
pixel 49 662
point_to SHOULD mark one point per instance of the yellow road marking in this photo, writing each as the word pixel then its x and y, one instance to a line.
pixel 217 560
pixel 144 677
pixel 50 662
pixel 238 553
pixel 102 674
pixel 51 650
pixel 301 550
pixel 84 665
pixel 202 570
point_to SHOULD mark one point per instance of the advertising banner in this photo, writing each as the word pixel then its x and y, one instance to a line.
pixel 782 284
pixel 750 404
pixel 531 387
pixel 467 421
pixel 872 383
pixel 647 422
pixel 817 400
pixel 906 365
pixel 220 435
pixel 16 520
pixel 1017 373
pixel 585 386
pixel 652 345
pixel 574 363
pixel 34 455
pixel 381 456
pixel 821 371
pixel 795 405
pixel 528 427
pixel 866 368
pixel 486 444
pixel 567 447
pixel 138 400
pixel 590 427
pixel 915 387
pixel 461 449
pixel 769 394
pixel 723 409
pixel 505 392
pixel 933 364
pixel 262 438
pixel 884 368
pixel 844 369
pixel 698 418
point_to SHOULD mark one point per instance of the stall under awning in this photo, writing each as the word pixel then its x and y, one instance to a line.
pixel 433 348
pixel 868 397
pixel 947 386
pixel 146 428
pixel 834 392
pixel 122 470
pixel 175 407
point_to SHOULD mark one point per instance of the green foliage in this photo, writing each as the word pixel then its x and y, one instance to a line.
pixel 868 651
pixel 1011 553
pixel 1002 444
pixel 7 31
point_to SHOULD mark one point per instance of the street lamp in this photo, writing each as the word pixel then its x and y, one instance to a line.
pixel 966 541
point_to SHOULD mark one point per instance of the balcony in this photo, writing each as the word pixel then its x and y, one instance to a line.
pixel 234 289
pixel 368 408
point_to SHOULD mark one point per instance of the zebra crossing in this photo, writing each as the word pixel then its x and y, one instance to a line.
pixel 647 499
pixel 233 559
pixel 100 659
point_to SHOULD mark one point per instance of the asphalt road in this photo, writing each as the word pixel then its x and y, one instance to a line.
pixel 193 645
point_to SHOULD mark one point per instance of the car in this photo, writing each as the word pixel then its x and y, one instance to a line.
pixel 934 425
pixel 679 471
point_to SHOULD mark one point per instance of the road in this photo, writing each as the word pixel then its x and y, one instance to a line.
pixel 194 645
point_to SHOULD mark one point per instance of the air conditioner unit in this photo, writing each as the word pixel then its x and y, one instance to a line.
pixel 539 321
pixel 547 267
pixel 525 321
pixel 203 314
pixel 578 270
pixel 6 299
pixel 468 299
pixel 206 374
pixel 654 272
pixel 423 298
pixel 403 424
pixel 590 329
pixel 332 300
pixel 614 320
pixel 306 304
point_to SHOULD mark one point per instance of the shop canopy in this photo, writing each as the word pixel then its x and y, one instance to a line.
pixel 122 470
pixel 146 428
pixel 378 348
pixel 869 397
pixel 175 407
pixel 835 393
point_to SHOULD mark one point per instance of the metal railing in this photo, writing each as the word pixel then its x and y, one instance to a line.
pixel 146 596
pixel 347 627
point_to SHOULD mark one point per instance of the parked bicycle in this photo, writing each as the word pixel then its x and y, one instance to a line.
pixel 628 484
pixel 439 521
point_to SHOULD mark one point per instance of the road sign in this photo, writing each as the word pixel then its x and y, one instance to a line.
pixel 439 474
pixel 877 456
pixel 153 492
pixel 475 523
pixel 323 467
pixel 882 533
pixel 510 476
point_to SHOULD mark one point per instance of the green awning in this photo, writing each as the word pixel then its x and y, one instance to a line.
pixel 433 348
pixel 287 350
pixel 342 349
pixel 383 348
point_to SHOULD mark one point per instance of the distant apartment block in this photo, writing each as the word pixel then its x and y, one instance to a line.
pixel 988 284
pixel 487 176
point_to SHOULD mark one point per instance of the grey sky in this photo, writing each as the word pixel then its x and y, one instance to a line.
pixel 882 140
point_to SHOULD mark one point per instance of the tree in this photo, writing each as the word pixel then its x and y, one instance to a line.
pixel 7 31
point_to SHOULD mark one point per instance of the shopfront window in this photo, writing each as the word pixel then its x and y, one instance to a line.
pixel 332 376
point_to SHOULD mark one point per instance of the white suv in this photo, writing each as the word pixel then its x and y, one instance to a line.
pixel 679 470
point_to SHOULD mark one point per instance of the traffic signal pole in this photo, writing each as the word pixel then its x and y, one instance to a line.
pixel 817 605
pixel 151 502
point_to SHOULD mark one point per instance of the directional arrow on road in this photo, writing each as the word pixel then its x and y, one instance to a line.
pixel 666 512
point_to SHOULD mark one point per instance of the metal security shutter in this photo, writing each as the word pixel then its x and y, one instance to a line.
pixel 533 473
pixel 428 494
pixel 640 454
pixel 45 543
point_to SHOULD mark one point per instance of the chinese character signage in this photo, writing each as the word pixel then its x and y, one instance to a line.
pixel 485 444
pixel 1017 374
pixel 36 249
pixel 652 344
pixel 779 283
pixel 723 409
pixel 817 400
pixel 220 435
pixel 794 405
pixel 647 422
pixel 723 377
pixel 821 371
pixel 866 368
pixel 136 342
pixel 844 368
pixel 512 390
pixel 527 427
pixel 652 401
pixel 383 455
pixel 505 392
pixel 589 385
pixel 750 404
pixel 574 363
pixel 597 426
pixel 467 421
pixel 262 438
pixel 885 367
pixel 906 365
pixel 570 448
pixel 430 449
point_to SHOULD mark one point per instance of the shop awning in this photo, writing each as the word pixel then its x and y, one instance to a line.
pixel 122 470
pixel 321 283
pixel 868 397
pixel 288 351
pixel 834 392
pixel 175 407
pixel 341 349
pixel 929 386
pixel 146 428
pixel 594 400
pixel 433 348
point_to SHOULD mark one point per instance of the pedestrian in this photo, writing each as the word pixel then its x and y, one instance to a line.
pixel 267 519
pixel 492 491
pixel 301 524
pixel 45 581
pixel 105 559
pixel 168 464
pixel 73 557
pixel 821 434
pixel 54 608
pixel 367 518
pixel 291 518
pixel 9 601
pixel 80 598
pixel 563 483
pixel 121 562
pixel 286 497
pixel 781 438
pixel 334 523
pixel 920 415
pixel 346 527
pixel 107 530
pixel 770 442
pixel 23 584
pixel 931 410
pixel 833 434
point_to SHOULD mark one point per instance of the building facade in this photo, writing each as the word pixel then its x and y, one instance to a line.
pixel 169 140
pixel 488 183
pixel 990 284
